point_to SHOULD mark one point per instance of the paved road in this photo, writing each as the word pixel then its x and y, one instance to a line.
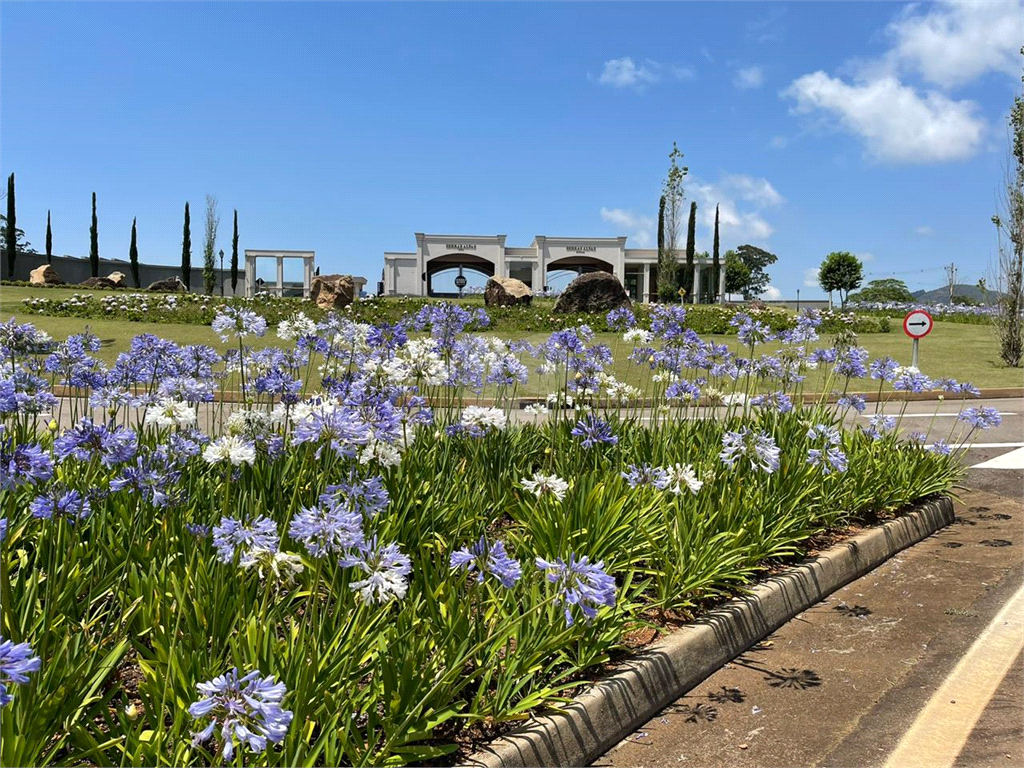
pixel 917 664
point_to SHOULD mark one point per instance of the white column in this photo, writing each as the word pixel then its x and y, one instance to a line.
pixel 280 276
pixel 721 284
pixel 695 290
pixel 645 283
pixel 250 276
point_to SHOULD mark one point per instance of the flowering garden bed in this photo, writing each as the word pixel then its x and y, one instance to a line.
pixel 351 577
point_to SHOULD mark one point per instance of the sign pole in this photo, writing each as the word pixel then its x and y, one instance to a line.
pixel 917 324
pixel 913 355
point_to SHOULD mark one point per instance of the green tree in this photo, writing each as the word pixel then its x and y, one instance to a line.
pixel 668 256
pixel 94 242
pixel 10 229
pixel 234 256
pixel 716 264
pixel 186 253
pixel 737 273
pixel 133 257
pixel 889 289
pixel 691 247
pixel 756 260
pixel 49 239
pixel 210 245
pixel 840 271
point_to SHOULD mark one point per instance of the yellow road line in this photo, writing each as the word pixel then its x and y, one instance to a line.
pixel 943 727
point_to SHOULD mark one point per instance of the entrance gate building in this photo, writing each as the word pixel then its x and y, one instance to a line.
pixel 411 273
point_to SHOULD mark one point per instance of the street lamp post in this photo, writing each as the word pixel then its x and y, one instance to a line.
pixel 222 273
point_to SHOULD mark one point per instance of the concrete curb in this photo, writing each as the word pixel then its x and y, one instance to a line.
pixel 612 708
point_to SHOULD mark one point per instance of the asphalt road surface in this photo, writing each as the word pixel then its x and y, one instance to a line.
pixel 917 664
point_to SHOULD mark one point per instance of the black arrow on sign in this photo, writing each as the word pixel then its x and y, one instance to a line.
pixel 922 322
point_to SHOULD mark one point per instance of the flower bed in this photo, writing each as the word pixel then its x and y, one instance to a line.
pixel 953 313
pixel 371 574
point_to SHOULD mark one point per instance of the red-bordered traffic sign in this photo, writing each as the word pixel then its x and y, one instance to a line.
pixel 918 324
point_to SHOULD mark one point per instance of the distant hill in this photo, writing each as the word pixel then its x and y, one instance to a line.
pixel 941 295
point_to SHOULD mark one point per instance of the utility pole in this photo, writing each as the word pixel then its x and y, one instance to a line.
pixel 951 280
pixel 222 272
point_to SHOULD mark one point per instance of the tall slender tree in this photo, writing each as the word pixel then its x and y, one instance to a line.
pixel 186 253
pixel 673 192
pixel 210 245
pixel 49 240
pixel 234 256
pixel 661 236
pixel 691 246
pixel 11 234
pixel 94 242
pixel 133 257
pixel 716 265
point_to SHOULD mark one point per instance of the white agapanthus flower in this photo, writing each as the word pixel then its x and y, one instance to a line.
pixel 250 423
pixel 282 566
pixel 637 336
pixel 681 477
pixel 170 413
pixel 297 325
pixel 230 448
pixel 536 409
pixel 483 417
pixel 541 484
pixel 735 398
pixel 383 453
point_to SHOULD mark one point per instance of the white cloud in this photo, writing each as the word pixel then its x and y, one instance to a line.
pixel 778 142
pixel 625 73
pixel 953 43
pixel 755 190
pixel 924 231
pixel 811 277
pixel 737 222
pixel 865 257
pixel 749 77
pixel 640 227
pixel 771 293
pixel 895 123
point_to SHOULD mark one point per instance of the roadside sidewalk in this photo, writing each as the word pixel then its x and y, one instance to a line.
pixel 841 683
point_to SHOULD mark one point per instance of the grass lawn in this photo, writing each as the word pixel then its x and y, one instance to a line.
pixel 963 351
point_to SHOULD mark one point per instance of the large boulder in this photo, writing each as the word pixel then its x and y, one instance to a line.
pixel 507 292
pixel 98 282
pixel 44 275
pixel 332 291
pixel 168 285
pixel 117 278
pixel 592 292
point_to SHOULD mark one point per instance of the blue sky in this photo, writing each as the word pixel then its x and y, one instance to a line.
pixel 876 128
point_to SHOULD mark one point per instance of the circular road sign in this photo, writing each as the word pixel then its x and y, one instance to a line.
pixel 460 281
pixel 918 324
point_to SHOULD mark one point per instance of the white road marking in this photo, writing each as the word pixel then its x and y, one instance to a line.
pixel 958 446
pixel 944 725
pixel 930 415
pixel 1011 460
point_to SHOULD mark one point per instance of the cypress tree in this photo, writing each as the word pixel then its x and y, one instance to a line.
pixel 49 239
pixel 234 256
pixel 11 235
pixel 94 241
pixel 133 257
pixel 715 264
pixel 691 246
pixel 186 253
pixel 661 240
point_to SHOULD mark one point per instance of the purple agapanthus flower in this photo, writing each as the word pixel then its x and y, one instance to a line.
pixel 247 710
pixel 647 476
pixel 826 454
pixel 878 425
pixel 114 445
pixel 580 582
pixel 758 447
pixel 367 497
pixel 620 319
pixel 60 502
pixel 594 431
pixel 23 464
pixel 884 369
pixel 984 417
pixel 16 662
pixel 481 557
pixel 774 401
pixel 342 428
pixel 385 567
pixel 321 531
pixel 231 537
pixel 857 402
pixel 231 321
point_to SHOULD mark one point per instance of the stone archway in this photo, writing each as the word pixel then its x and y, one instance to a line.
pixel 455 261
